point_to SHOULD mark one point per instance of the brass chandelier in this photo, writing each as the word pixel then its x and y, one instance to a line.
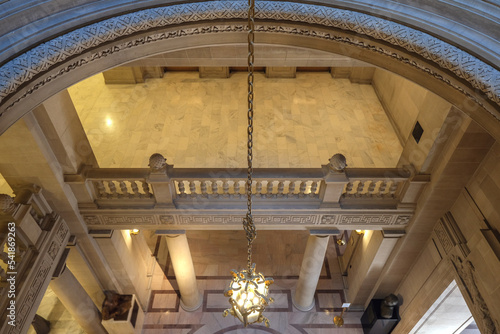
pixel 248 290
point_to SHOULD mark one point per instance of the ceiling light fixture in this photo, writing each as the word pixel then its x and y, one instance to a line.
pixel 248 290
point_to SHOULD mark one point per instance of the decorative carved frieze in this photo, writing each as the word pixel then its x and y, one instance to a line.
pixel 466 272
pixel 35 289
pixel 217 220
pixel 37 61
pixel 129 219
pixel 449 236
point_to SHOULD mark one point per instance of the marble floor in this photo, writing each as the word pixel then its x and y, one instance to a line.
pixel 197 122
pixel 214 255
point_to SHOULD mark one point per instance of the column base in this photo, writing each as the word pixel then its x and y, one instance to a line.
pixel 194 308
pixel 301 308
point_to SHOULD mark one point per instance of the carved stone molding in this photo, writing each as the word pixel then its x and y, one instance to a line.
pixel 30 293
pixel 449 237
pixel 466 272
pixel 105 220
pixel 33 66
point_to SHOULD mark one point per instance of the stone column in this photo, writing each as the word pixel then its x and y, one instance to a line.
pixel 184 271
pixel 310 271
pixel 76 300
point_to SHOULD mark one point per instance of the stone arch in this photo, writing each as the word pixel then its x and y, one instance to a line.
pixel 452 73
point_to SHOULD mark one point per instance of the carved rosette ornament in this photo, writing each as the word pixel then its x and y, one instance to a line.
pixel 157 162
pixel 6 204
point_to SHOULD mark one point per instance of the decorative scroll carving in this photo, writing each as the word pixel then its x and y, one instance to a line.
pixel 466 272
pixel 329 219
pixel 402 220
pixel 165 219
pixel 40 59
pixel 92 220
pixel 62 232
pixel 53 249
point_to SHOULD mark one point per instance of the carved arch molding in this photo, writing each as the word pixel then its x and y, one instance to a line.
pixel 22 77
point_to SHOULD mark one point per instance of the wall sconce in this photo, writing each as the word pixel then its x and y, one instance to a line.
pixel 134 231
pixel 360 232
pixel 341 241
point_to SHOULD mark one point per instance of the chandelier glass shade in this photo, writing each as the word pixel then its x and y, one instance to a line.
pixel 248 290
pixel 248 295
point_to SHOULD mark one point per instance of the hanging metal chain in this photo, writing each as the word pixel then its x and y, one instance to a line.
pixel 248 224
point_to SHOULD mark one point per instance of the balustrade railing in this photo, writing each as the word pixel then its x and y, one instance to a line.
pixel 171 187
pixel 267 183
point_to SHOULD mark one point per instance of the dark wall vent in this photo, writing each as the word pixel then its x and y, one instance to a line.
pixel 417 132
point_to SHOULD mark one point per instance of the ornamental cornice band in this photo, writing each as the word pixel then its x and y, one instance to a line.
pixel 40 59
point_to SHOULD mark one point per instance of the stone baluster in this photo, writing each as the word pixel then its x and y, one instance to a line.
pixel 358 188
pixel 123 188
pixel 258 188
pixel 225 188
pixel 236 187
pixel 192 188
pixel 182 189
pixel 371 188
pixel 214 187
pixel 269 189
pixel 112 188
pixel 203 187
pixel 393 188
pixel 314 188
pixel 382 188
pixel 291 188
pixel 348 188
pixel 101 190
pixel 302 188
pixel 145 188
pixel 134 187
pixel 281 188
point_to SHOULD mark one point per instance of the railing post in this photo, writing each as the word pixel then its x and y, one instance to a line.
pixel 82 189
pixel 159 179
pixel 413 189
pixel 334 181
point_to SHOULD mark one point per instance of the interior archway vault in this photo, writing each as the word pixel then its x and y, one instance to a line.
pixel 464 80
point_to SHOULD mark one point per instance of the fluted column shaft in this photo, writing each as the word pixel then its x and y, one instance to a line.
pixel 76 300
pixel 182 262
pixel 310 271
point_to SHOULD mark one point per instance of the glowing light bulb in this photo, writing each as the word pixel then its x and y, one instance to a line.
pixel 109 121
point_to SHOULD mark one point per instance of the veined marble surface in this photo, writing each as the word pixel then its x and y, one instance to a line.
pixel 61 321
pixel 197 122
